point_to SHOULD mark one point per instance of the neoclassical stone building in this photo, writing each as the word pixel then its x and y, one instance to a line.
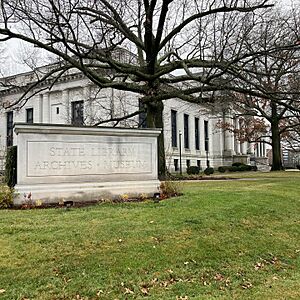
pixel 191 134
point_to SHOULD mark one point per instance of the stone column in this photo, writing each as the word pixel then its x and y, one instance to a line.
pixel 202 136
pixel 66 104
pixel 41 109
pixel 244 147
pixel 46 108
pixel 228 139
pixel 237 142
pixel 87 106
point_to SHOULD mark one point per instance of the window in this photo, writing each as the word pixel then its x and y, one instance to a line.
pixel 206 135
pixel 199 164
pixel 29 115
pixel 188 163
pixel 176 164
pixel 9 128
pixel 77 113
pixel 197 144
pixel 174 127
pixel 186 131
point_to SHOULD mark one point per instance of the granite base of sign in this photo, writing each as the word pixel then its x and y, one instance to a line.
pixel 59 162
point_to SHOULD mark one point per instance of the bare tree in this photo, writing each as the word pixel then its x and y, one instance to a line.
pixel 172 41
pixel 273 74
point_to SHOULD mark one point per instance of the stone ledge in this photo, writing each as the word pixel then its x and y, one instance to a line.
pixel 84 130
pixel 82 192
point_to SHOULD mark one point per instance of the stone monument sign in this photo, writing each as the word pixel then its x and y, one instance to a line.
pixel 58 162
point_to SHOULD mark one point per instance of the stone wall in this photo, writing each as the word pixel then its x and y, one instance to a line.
pixel 58 162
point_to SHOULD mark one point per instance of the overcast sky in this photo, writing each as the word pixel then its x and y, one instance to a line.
pixel 15 52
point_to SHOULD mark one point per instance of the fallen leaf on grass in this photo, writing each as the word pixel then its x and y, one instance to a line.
pixel 219 277
pixel 128 291
pixel 247 285
pixel 259 265
pixel 182 297
pixel 227 282
pixel 145 291
pixel 2 291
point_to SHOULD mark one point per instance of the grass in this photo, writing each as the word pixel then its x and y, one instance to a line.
pixel 220 240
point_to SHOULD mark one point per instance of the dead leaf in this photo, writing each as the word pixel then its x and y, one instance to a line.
pixel 145 291
pixel 247 285
pixel 219 277
pixel 258 265
pixel 128 291
pixel 2 291
pixel 154 280
pixel 227 282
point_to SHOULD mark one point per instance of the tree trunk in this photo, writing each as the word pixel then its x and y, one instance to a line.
pixel 155 120
pixel 276 148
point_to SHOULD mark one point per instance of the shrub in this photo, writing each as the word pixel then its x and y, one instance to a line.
pixel 248 168
pixel 209 171
pixel 11 167
pixel 6 196
pixel 222 169
pixel 243 168
pixel 254 168
pixel 170 188
pixel 237 164
pixel 298 167
pixel 233 169
pixel 193 170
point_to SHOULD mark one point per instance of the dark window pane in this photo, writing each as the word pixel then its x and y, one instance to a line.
pixel 188 163
pixel 9 128
pixel 197 137
pixel 176 164
pixel 206 135
pixel 174 127
pixel 77 113
pixel 186 131
pixel 29 115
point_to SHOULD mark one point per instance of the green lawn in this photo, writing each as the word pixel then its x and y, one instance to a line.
pixel 221 240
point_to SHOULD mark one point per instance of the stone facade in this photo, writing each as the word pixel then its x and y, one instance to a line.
pixel 194 122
